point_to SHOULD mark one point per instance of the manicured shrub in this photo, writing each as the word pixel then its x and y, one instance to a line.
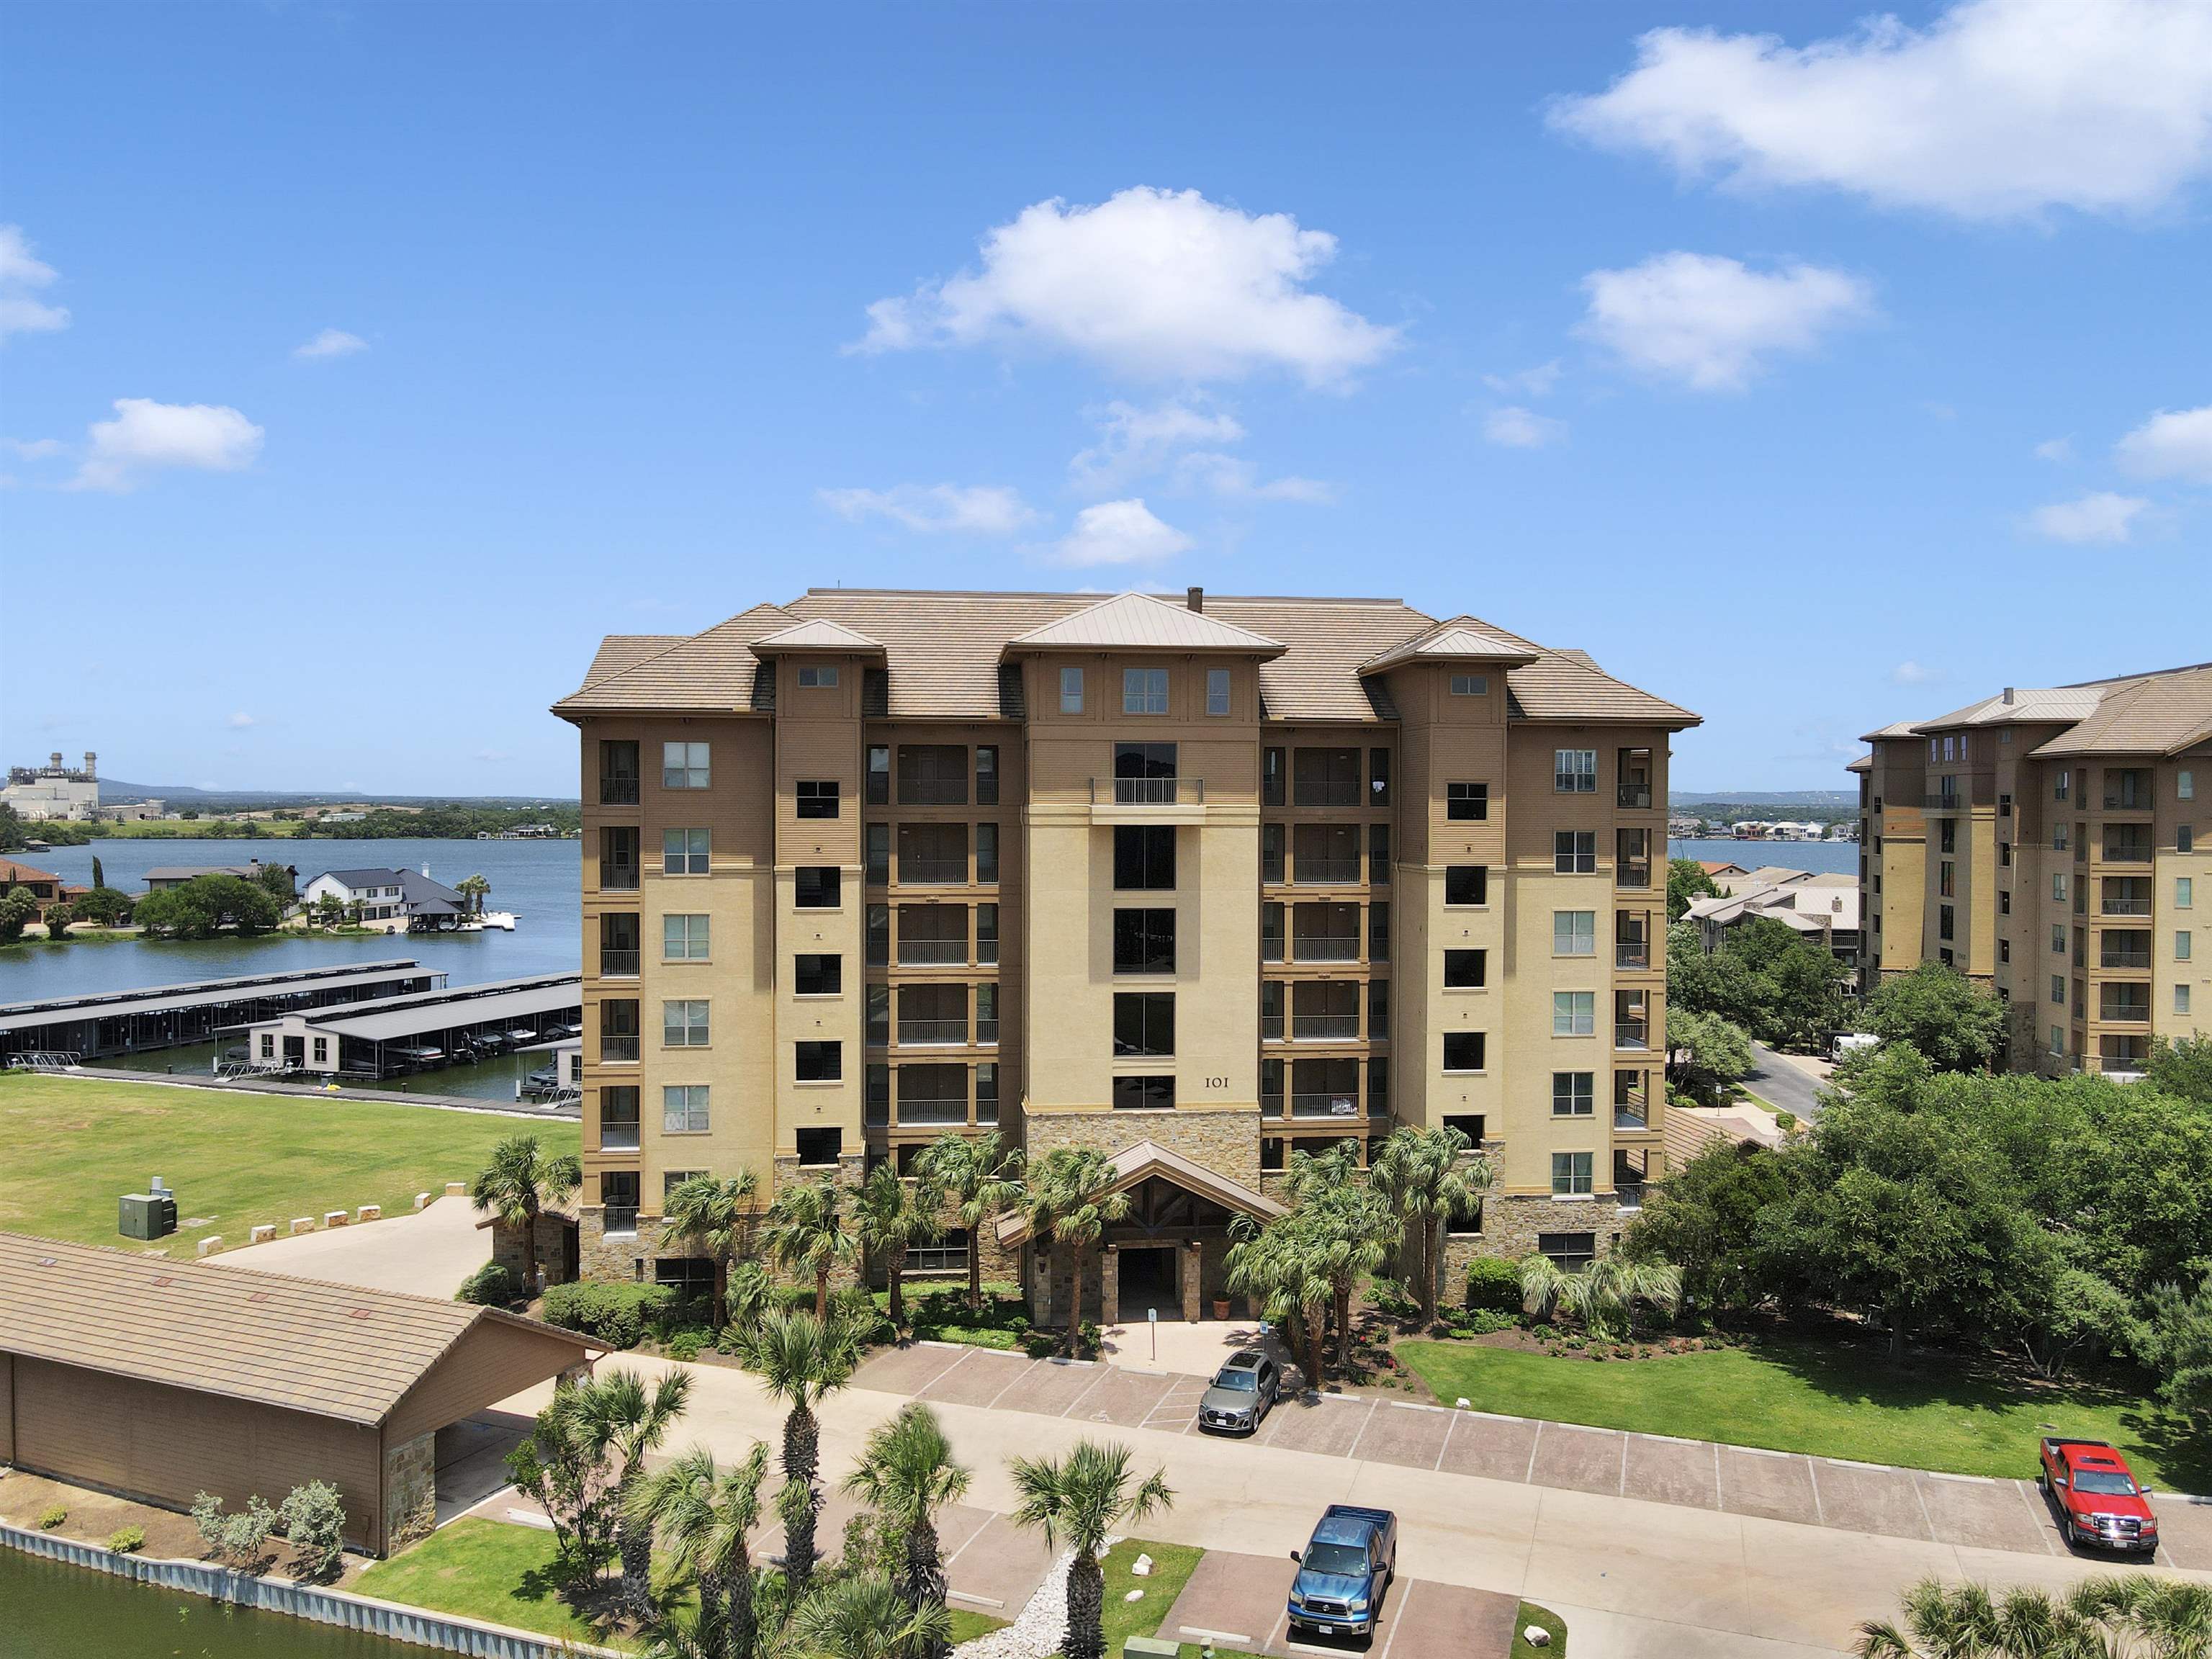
pixel 127 1541
pixel 616 1315
pixel 52 1516
pixel 237 1540
pixel 1494 1283
pixel 688 1344
pixel 314 1520
pixel 856 1306
pixel 490 1286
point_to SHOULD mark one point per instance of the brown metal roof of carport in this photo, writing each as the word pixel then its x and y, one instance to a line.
pixel 161 1379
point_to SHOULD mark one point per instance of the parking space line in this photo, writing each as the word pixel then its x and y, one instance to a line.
pixel 1719 1502
pixel 1398 1619
pixel 1820 1511
pixel 1450 1428
pixel 1929 1520
pixel 1024 1371
pixel 1068 1410
pixel 1529 1475
pixel 2042 1521
pixel 1620 1487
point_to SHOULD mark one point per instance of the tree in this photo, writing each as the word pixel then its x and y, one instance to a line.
pixel 13 834
pixel 866 1617
pixel 2179 1345
pixel 1708 1053
pixel 277 880
pixel 1431 1178
pixel 2076 1308
pixel 104 907
pixel 713 1215
pixel 1602 1296
pixel 57 919
pixel 620 1414
pixel 1070 1199
pixel 891 1219
pixel 1936 1009
pixel 1703 1216
pixel 704 1513
pixel 330 911
pixel 806 1234
pixel 801 1358
pixel 313 1517
pixel 18 910
pixel 2183 1067
pixel 1688 879
pixel 1347 1226
pixel 1077 1503
pixel 2099 1619
pixel 241 1539
pixel 564 1466
pixel 517 1185
pixel 203 907
pixel 99 875
pixel 907 1474
pixel 1278 1266
pixel 982 1178
pixel 474 889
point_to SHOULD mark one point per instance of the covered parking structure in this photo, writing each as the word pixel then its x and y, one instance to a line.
pixel 160 1380
pixel 395 1035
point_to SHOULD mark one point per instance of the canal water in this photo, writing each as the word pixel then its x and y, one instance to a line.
pixel 1839 857
pixel 49 1610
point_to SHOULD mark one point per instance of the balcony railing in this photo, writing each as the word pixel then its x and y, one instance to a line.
pixel 933 1030
pixel 1307 871
pixel 1633 795
pixel 618 1047
pixel 1943 803
pixel 2127 853
pixel 913 792
pixel 2124 1013
pixel 619 964
pixel 1148 792
pixel 1324 1028
pixel 621 1218
pixel 1632 873
pixel 618 1137
pixel 932 1111
pixel 1629 1195
pixel 618 792
pixel 933 872
pixel 1325 947
pixel 2125 907
pixel 1326 1104
pixel 618 878
pixel 1325 793
pixel 932 952
pixel 1632 1034
pixel 1271 1028
pixel 1632 954
pixel 1626 1122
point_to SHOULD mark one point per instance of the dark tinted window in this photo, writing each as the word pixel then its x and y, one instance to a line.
pixel 1463 1051
pixel 819 975
pixel 1144 1021
pixel 820 1146
pixel 821 1062
pixel 1143 857
pixel 1467 884
pixel 1144 941
pixel 814 886
pixel 1143 1094
pixel 1464 969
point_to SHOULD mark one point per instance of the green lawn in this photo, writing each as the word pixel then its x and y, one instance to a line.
pixel 1825 1398
pixel 75 1145
pixel 1172 1565
pixel 1530 1613
pixel 483 1570
pixel 968 1624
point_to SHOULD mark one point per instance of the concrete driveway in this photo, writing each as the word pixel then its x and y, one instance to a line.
pixel 1784 1084
pixel 1237 1601
pixel 426 1253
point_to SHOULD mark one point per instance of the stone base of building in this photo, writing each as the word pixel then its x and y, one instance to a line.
pixel 410 1492
pixel 550 1234
pixel 1510 1227
pixel 1224 1139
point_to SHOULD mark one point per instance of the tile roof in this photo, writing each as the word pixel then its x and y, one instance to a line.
pixel 2033 705
pixel 2159 714
pixel 714 671
pixel 1142 1159
pixel 1142 621
pixel 11 870
pixel 330 1350
pixel 1457 641
pixel 821 634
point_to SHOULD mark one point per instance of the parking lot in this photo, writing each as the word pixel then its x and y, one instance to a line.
pixel 1959 1510
pixel 1237 1601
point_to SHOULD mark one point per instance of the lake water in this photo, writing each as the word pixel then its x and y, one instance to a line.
pixel 1815 855
pixel 53 1611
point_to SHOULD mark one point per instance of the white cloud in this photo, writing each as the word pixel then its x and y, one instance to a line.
pixel 1134 442
pixel 34 449
pixel 967 509
pixel 331 342
pixel 1999 108
pixel 1118 532
pixel 1711 322
pixel 21 271
pixel 2174 443
pixel 145 435
pixel 1913 673
pixel 2102 517
pixel 1235 478
pixel 1157 283
pixel 1537 382
pixel 241 720
pixel 1515 427
pixel 2056 450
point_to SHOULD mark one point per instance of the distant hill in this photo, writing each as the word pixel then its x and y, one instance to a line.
pixel 1762 797
pixel 114 791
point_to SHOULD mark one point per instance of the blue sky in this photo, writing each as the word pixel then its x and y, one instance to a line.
pixel 364 364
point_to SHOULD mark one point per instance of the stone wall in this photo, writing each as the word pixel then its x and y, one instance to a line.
pixel 410 1492
pixel 1226 1139
pixel 550 1232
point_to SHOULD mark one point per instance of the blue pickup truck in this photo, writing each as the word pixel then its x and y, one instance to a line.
pixel 1343 1571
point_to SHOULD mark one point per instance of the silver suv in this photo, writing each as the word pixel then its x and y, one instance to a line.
pixel 1241 1393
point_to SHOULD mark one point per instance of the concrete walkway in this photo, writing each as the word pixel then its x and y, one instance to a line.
pixel 425 1252
pixel 1642 1578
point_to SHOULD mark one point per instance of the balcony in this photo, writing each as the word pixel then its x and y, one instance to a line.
pixel 1148 800
pixel 931 1113
pixel 620 1220
pixel 917 792
pixel 615 1050
pixel 618 1137
pixel 1950 803
pixel 2123 951
pixel 916 1033
pixel 1325 792
pixel 1630 1120
pixel 932 952
pixel 1633 797
pixel 2127 896
pixel 618 792
pixel 1325 947
pixel 1271 1028
pixel 1629 1195
pixel 1632 873
pixel 619 964
pixel 1632 954
pixel 1632 1034
pixel 932 871
pixel 1325 1105
pixel 2127 850
pixel 618 878
pixel 2125 1011
pixel 1312 871
pixel 1324 1028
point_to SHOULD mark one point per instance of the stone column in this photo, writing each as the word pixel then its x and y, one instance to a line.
pixel 1110 1286
pixel 410 1492
pixel 1191 1276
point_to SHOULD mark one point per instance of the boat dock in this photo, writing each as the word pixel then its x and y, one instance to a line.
pixel 396 1035
pixel 67 1029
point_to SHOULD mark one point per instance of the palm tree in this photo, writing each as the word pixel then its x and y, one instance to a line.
pixel 801 1359
pixel 1350 1225
pixel 618 1413
pixel 806 1234
pixel 1603 1295
pixel 906 1474
pixel 1079 1503
pixel 713 1214
pixel 866 1617
pixel 1280 1267
pixel 517 1184
pixel 1429 1179
pixel 2168 1618
pixel 982 1177
pixel 474 888
pixel 891 1219
pixel 705 1513
pixel 1070 1199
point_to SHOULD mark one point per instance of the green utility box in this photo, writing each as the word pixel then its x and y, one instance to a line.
pixel 1149 1647
pixel 146 1215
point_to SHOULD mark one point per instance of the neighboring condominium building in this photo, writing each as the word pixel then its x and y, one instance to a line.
pixel 2045 843
pixel 1196 884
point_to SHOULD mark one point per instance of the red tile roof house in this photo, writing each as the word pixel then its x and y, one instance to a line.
pixel 43 886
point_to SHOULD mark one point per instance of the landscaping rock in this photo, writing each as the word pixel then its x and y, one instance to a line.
pixel 209 1245
pixel 262 1234
pixel 1536 1636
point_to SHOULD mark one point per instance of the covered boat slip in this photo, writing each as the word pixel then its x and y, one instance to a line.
pixel 395 1035
pixel 101 1025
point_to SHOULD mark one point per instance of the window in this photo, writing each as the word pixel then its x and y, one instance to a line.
pixel 1574 771
pixel 683 938
pixel 684 1109
pixel 1470 685
pixel 619 1020
pixel 1946 922
pixel 1145 857
pixel 2058 885
pixel 1948 836
pixel 2005 901
pixel 1071 690
pixel 2185 839
pixel 2059 836
pixel 2058 938
pixel 2058 990
pixel 986 852
pixel 1466 802
pixel 1465 1051
pixel 1574 932
pixel 2004 949
pixel 1144 1021
pixel 1469 1124
pixel 2184 785
pixel 1145 774
pixel 1571 1174
pixel 1273 778
pixel 1143 691
pixel 817 675
pixel 949 1254
pixel 1574 852
pixel 618 773
pixel 1946 882
pixel 1143 1094
pixel 1271 932
pixel 2181 998
pixel 879 792
pixel 2059 785
pixel 1217 691
pixel 814 886
pixel 820 1062
pixel 1378 855
pixel 819 975
pixel 987 1012
pixel 1378 1010
pixel 987 1091
pixel 1144 941
pixel 2181 946
pixel 268 1045
pixel 1574 1013
pixel 689 1276
pixel 876 1021
pixel 819 1148
pixel 1574 1094
pixel 618 853
pixel 2058 1039
pixel 683 1024
pixel 987 774
pixel 684 766
pixel 1467 884
pixel 2185 890
pixel 987 933
pixel 1569 1252
pixel 817 798
pixel 876 855
pixel 1466 970
pixel 684 852
pixel 323 1044
pixel 618 944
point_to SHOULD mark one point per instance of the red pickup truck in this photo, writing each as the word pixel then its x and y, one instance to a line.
pixel 2098 1499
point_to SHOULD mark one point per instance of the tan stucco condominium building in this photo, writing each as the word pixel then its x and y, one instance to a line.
pixel 2045 842
pixel 1196 884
